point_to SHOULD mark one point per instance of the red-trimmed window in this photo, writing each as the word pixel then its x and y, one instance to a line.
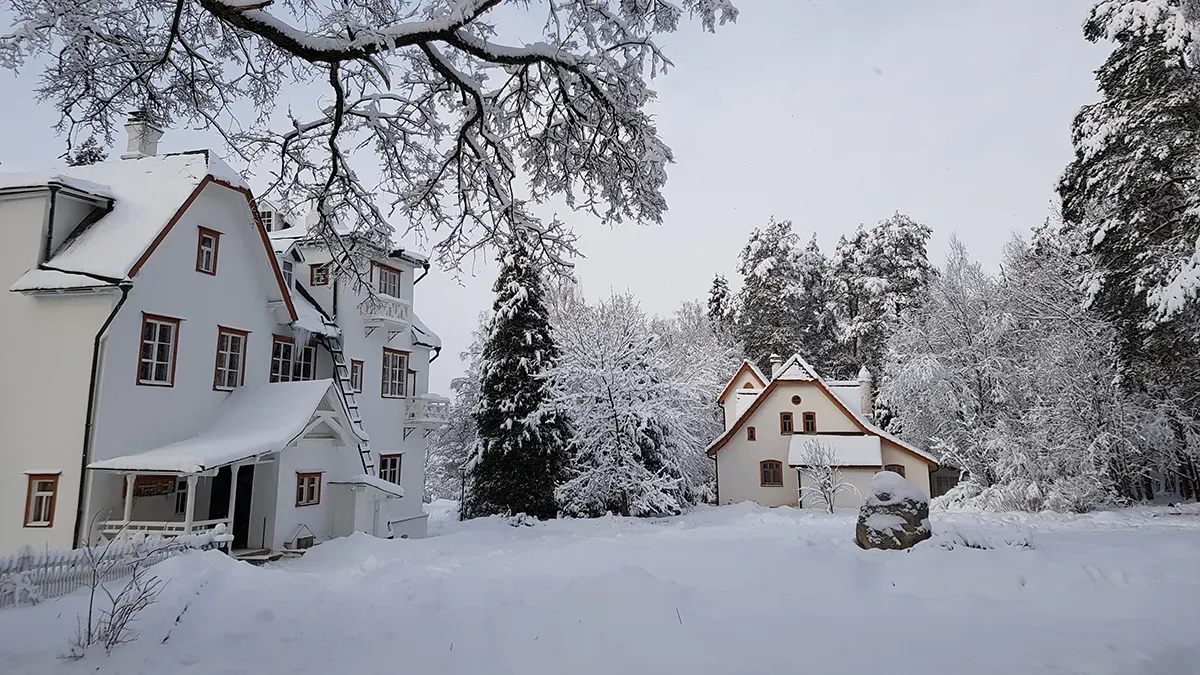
pixel 751 434
pixel 810 422
pixel 40 499
pixel 772 473
pixel 387 280
pixel 395 373
pixel 160 345
pixel 231 358
pixel 356 375
pixel 318 275
pixel 207 245
pixel 786 424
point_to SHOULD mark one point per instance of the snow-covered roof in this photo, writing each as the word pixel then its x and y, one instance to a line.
pixel 283 241
pixel 847 450
pixel 849 394
pixel 33 179
pixel 38 279
pixel 251 422
pixel 421 334
pixel 744 366
pixel 309 319
pixel 146 193
pixel 367 480
pixel 797 369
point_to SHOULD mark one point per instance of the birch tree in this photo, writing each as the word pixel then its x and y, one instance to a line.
pixel 451 107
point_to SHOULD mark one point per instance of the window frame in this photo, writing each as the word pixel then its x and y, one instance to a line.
pixel 176 325
pixel 208 233
pixel 805 418
pixel 380 270
pixel 308 355
pixel 358 370
pixel 787 424
pixel 244 337
pixel 773 465
pixel 399 468
pixel 31 496
pixel 288 269
pixel 312 274
pixel 181 496
pixel 386 367
pixel 893 468
pixel 305 482
pixel 751 434
pixel 291 359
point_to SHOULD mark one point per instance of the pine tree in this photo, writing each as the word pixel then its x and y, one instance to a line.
pixel 816 322
pixel 719 309
pixel 767 323
pixel 88 152
pixel 521 451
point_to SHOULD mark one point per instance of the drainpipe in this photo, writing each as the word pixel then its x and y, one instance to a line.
pixel 437 351
pixel 717 478
pixel 423 275
pixel 93 385
pixel 47 249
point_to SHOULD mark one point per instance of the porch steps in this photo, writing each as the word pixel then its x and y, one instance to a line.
pixel 349 396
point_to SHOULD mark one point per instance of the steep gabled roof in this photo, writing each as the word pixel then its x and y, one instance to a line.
pixel 745 367
pixel 796 369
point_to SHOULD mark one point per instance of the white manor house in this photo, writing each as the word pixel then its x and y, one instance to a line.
pixel 180 358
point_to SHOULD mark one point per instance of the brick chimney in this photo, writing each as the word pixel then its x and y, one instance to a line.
pixel 143 136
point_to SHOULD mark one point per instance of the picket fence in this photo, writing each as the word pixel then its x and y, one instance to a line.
pixel 31 576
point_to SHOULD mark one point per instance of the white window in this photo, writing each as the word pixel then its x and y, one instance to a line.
pixel 389 468
pixel 281 358
pixel 288 268
pixel 304 366
pixel 389 280
pixel 181 496
pixel 159 338
pixel 356 376
pixel 206 251
pixel 308 489
pixel 231 357
pixel 40 499
pixel 395 373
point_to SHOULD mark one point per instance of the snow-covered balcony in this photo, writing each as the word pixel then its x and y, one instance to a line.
pixel 427 410
pixel 387 312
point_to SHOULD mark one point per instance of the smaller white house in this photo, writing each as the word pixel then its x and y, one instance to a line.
pixel 775 426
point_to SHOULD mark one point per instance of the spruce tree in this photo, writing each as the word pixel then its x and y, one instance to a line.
pixel 521 451
pixel 767 323
pixel 89 152
pixel 719 310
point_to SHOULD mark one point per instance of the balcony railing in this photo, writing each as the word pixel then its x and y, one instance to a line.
pixel 385 310
pixel 427 409
pixel 122 529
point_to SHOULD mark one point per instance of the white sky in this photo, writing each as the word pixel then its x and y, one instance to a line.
pixel 825 112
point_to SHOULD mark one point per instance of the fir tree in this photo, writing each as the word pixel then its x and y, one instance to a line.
pixel 766 322
pixel 719 310
pixel 88 152
pixel 816 321
pixel 520 453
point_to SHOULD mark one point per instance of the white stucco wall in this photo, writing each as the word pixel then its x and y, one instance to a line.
pixel 46 346
pixel 730 404
pixel 309 456
pixel 133 418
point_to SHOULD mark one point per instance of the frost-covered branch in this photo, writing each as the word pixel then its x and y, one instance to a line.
pixel 466 126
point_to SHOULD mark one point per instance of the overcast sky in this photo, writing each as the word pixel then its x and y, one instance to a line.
pixel 826 112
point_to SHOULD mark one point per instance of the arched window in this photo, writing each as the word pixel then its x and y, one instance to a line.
pixel 751 434
pixel 895 468
pixel 772 472
pixel 748 385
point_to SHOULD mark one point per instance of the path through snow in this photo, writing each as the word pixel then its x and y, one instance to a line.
pixel 721 591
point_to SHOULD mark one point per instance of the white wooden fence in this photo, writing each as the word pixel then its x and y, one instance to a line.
pixel 31 576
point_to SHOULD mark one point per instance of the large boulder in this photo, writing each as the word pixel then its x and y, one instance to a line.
pixel 895 516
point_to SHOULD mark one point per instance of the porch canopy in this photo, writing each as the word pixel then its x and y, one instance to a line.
pixel 843 450
pixel 250 423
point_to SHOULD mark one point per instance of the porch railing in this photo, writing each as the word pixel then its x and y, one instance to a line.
pixel 427 409
pixel 124 529
pixel 384 309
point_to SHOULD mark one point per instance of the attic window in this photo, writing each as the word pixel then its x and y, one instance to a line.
pixel 751 434
pixel 810 422
pixel 795 400
pixel 288 268
pixel 748 385
pixel 206 251
pixel 786 423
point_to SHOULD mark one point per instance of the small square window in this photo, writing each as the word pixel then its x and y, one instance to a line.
pixel 318 275
pixel 308 489
pixel 389 468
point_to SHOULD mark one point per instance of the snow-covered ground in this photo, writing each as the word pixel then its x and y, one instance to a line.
pixel 722 590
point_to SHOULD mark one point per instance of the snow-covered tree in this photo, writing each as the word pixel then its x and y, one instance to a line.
pixel 450 446
pixel 88 152
pixel 766 324
pixel 821 479
pixel 521 448
pixel 720 302
pixel 878 274
pixel 815 309
pixel 617 389
pixel 454 100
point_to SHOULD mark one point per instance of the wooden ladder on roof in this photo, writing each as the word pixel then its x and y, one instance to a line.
pixel 341 371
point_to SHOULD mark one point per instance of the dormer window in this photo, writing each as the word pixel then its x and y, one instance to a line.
pixel 206 251
pixel 288 268
pixel 387 280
